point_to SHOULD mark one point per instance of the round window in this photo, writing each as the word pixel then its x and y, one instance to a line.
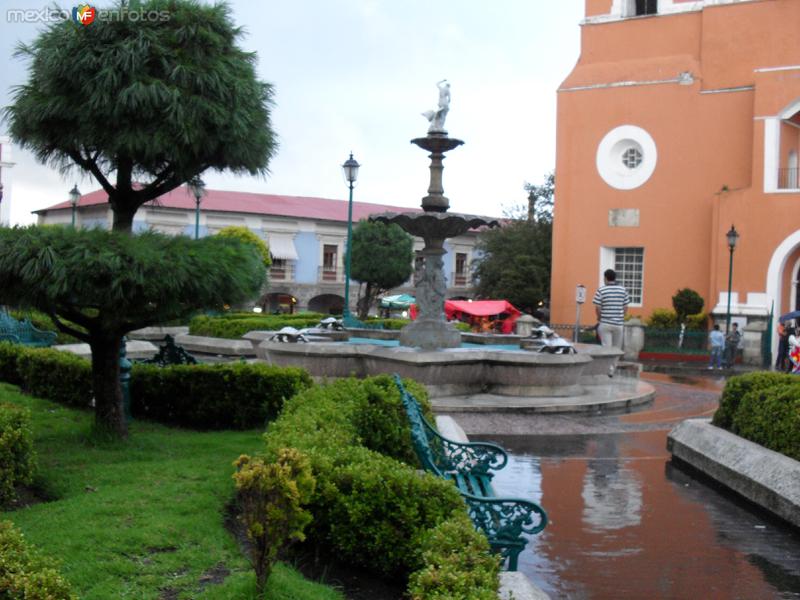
pixel 626 157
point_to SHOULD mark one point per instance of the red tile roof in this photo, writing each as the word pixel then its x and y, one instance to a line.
pixel 253 203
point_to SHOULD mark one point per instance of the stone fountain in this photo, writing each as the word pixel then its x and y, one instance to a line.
pixel 430 331
pixel 429 349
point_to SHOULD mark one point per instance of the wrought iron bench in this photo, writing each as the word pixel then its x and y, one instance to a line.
pixel 470 467
pixel 170 354
pixel 23 332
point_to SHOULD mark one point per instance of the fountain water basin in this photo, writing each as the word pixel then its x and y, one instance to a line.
pixel 452 371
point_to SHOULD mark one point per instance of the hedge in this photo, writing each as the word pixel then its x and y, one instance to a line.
pixel 221 396
pixel 17 459
pixel 763 407
pixel 737 387
pixel 236 325
pixel 372 507
pixel 771 417
pixel 24 573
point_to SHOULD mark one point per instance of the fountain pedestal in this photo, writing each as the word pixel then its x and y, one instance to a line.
pixel 434 225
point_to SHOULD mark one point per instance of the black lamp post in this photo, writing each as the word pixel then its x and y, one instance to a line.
pixel 350 172
pixel 732 236
pixel 198 189
pixel 74 198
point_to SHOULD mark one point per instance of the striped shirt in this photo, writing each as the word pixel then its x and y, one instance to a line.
pixel 612 300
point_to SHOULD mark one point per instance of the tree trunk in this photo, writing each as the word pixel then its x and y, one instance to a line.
pixel 108 410
pixel 365 302
pixel 123 220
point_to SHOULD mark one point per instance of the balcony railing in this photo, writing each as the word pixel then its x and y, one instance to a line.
pixel 330 275
pixel 459 279
pixel 788 178
pixel 281 273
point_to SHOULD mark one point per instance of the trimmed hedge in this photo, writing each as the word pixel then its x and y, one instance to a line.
pixel 737 387
pixel 17 459
pixel 220 396
pixel 771 417
pixel 763 407
pixel 59 376
pixel 370 508
pixel 235 325
pixel 24 573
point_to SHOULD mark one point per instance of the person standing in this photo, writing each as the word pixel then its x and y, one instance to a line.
pixel 732 345
pixel 794 350
pixel 716 343
pixel 611 305
pixel 783 348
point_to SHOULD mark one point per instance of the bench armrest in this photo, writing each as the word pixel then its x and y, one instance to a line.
pixel 466 457
pixel 505 519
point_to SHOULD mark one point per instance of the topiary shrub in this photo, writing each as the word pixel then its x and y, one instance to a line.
pixel 457 564
pixel 687 302
pixel 232 395
pixel 771 417
pixel 17 459
pixel 59 376
pixel 370 509
pixel 740 385
pixel 270 498
pixel 24 573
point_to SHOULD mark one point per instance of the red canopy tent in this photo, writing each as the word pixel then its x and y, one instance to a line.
pixel 458 309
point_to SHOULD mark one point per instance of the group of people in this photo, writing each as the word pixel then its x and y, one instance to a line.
pixel 788 360
pixel 611 304
pixel 723 347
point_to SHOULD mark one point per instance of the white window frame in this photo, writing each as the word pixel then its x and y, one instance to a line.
pixel 608 260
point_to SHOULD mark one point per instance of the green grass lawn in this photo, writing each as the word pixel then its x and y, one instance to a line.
pixel 142 518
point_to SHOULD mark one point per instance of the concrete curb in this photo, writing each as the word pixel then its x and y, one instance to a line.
pixel 513 584
pixel 766 478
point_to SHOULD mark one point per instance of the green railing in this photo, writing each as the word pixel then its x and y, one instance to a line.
pixel 670 340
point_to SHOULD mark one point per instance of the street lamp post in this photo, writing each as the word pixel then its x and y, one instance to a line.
pixel 732 236
pixel 350 172
pixel 198 189
pixel 74 198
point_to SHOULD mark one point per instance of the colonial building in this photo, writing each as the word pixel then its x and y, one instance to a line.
pixel 680 120
pixel 306 236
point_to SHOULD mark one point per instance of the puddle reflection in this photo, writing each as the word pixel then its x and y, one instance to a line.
pixel 625 523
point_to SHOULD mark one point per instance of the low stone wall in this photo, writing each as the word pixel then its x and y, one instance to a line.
pixel 157 334
pixel 766 478
pixel 211 345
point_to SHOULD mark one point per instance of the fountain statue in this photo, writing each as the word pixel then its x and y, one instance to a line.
pixel 434 225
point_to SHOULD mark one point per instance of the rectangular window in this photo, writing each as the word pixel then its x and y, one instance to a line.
pixel 629 265
pixel 461 269
pixel 646 7
pixel 329 262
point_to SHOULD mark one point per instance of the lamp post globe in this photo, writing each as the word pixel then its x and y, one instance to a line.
pixel 733 237
pixel 350 172
pixel 198 189
pixel 74 198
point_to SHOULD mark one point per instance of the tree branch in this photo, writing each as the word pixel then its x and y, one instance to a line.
pixel 84 337
pixel 91 165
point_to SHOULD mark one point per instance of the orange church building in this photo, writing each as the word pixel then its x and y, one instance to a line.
pixel 681 119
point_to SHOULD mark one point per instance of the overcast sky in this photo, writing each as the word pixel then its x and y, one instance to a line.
pixel 354 75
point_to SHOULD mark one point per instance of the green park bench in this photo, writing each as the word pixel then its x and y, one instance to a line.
pixel 170 354
pixel 23 332
pixel 470 467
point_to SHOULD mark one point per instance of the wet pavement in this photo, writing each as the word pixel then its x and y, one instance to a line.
pixel 627 523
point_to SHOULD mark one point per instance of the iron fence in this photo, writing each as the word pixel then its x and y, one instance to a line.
pixel 675 341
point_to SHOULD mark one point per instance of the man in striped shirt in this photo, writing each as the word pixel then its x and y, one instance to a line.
pixel 611 303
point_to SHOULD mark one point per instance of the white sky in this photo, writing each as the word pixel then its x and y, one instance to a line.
pixel 354 75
